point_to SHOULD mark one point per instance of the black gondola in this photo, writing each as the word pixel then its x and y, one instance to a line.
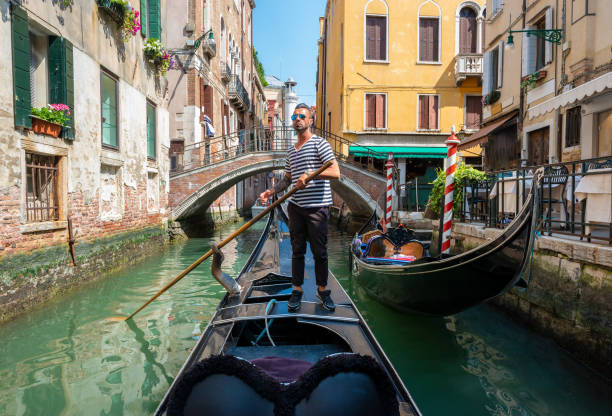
pixel 447 284
pixel 256 358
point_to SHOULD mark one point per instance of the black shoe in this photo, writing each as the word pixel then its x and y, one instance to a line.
pixel 326 300
pixel 295 301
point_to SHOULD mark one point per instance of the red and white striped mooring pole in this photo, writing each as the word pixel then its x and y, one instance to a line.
pixel 389 208
pixel 449 186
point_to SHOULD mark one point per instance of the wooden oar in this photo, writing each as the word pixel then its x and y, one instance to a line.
pixel 224 242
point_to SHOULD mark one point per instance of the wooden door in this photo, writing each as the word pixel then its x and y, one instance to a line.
pixel 604 139
pixel 538 147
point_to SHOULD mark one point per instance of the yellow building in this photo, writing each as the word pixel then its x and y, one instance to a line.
pixel 397 75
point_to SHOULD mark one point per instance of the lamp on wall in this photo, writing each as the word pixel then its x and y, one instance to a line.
pixel 549 35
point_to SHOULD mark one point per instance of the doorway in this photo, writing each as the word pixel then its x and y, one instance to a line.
pixel 539 147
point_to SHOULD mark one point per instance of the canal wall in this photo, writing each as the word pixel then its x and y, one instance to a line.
pixel 29 279
pixel 569 297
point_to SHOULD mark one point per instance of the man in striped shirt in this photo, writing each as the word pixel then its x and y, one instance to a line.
pixel 309 206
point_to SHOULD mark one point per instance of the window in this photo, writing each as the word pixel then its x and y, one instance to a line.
pixel 376 111
pixel 42 202
pixel 572 126
pixel 473 112
pixel 109 111
pixel 497 6
pixel 468 33
pixel 494 67
pixel 429 32
pixel 493 70
pixel 429 112
pixel 39 58
pixel 150 131
pixel 376 38
pixel 540 46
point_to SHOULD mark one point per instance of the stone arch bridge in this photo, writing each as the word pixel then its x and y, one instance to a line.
pixel 193 190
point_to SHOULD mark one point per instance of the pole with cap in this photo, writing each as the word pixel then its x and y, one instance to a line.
pixel 389 207
pixel 449 187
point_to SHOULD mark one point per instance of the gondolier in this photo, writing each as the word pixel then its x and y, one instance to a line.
pixel 309 207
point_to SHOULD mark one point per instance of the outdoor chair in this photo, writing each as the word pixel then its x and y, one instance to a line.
pixel 554 175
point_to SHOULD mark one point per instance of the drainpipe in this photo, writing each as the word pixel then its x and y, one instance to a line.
pixel 521 115
pixel 324 79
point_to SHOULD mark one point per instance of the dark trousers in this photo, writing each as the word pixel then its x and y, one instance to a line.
pixel 308 223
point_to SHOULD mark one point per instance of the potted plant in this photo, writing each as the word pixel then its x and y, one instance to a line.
pixel 157 56
pixel 50 120
pixel 125 15
pixel 531 79
pixel 492 98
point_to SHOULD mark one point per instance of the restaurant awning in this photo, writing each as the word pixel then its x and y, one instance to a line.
pixel 587 89
pixel 482 135
pixel 399 151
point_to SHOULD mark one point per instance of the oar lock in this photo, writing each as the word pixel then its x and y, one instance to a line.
pixel 228 282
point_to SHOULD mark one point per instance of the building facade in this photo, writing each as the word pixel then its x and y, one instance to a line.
pixel 396 76
pixel 107 171
pixel 546 101
pixel 215 99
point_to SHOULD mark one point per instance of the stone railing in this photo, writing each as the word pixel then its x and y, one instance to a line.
pixel 467 65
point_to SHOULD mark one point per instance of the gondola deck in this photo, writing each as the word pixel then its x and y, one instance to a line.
pixel 309 335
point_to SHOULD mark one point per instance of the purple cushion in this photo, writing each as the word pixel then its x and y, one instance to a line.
pixel 284 370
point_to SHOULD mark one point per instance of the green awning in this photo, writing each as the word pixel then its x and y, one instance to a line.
pixel 399 151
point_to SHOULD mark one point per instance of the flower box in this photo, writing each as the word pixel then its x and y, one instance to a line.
pixel 41 126
pixel 113 9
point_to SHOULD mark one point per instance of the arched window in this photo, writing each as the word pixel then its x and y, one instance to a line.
pixel 468 31
pixel 429 42
pixel 376 31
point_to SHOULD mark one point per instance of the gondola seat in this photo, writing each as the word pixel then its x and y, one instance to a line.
pixel 383 247
pixel 366 237
pixel 226 385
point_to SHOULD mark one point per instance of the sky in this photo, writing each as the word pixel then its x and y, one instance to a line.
pixel 285 35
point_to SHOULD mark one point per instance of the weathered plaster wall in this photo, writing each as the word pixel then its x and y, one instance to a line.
pixel 569 296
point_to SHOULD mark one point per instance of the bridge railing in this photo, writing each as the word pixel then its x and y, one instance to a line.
pixel 214 150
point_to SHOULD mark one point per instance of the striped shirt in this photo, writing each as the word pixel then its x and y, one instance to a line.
pixel 311 156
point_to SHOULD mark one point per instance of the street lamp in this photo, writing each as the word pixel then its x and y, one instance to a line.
pixel 549 35
pixel 196 43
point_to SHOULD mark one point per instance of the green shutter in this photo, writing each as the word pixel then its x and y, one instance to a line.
pixel 154 19
pixel 21 68
pixel 144 18
pixel 150 131
pixel 61 79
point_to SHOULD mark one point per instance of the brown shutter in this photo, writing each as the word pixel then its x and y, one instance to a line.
pixel 467 35
pixel 434 39
pixel 473 34
pixel 422 40
pixel 433 112
pixel 382 38
pixel 423 111
pixel 208 102
pixel 380 111
pixel 370 38
pixel 473 112
pixel 203 108
pixel 370 110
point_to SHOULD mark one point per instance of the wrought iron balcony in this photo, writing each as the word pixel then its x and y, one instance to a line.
pixel 238 95
pixel 467 65
pixel 226 72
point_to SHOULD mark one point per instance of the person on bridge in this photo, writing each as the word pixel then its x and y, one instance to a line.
pixel 309 206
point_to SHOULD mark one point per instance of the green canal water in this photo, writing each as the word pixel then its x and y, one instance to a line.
pixel 66 358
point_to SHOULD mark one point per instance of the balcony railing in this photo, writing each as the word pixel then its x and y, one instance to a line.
pixel 467 65
pixel 226 72
pixel 238 95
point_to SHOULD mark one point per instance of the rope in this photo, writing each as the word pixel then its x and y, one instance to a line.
pixel 266 330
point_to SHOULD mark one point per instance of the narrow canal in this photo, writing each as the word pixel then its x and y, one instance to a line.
pixel 66 358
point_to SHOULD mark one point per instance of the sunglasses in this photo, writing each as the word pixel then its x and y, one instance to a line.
pixel 295 116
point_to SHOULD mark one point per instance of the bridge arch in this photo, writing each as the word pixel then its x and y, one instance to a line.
pixel 199 199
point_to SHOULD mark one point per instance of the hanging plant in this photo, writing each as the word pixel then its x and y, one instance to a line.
pixel 157 56
pixel 492 98
pixel 125 15
pixel 530 80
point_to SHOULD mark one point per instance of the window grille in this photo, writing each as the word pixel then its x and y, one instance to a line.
pixel 42 188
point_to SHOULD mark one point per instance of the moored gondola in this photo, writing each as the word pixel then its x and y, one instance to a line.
pixel 256 358
pixel 396 269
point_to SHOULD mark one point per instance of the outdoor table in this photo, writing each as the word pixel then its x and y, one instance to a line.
pixel 597 189
pixel 510 193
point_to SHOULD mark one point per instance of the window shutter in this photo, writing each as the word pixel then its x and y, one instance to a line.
pixel 370 38
pixel 529 54
pixel 500 64
pixel 486 76
pixel 382 30
pixel 435 32
pixel 422 40
pixel 423 112
pixel 154 19
pixel 208 101
pixel 61 79
pixel 370 111
pixel 203 108
pixel 433 112
pixel 380 111
pixel 467 35
pixel 150 131
pixel 144 18
pixel 21 68
pixel 548 49
pixel 473 112
pixel 377 35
